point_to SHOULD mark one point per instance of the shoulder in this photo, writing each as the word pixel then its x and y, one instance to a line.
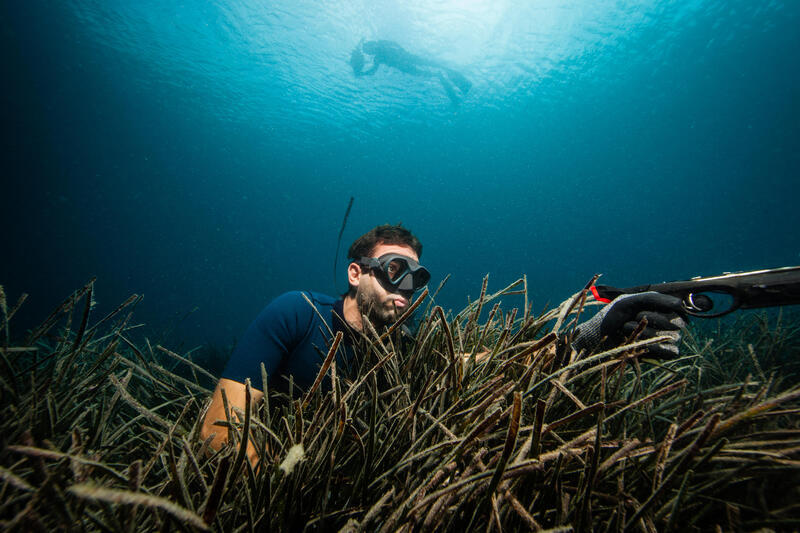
pixel 303 299
pixel 301 304
pixel 317 298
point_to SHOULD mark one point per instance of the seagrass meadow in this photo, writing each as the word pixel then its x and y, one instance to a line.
pixel 101 433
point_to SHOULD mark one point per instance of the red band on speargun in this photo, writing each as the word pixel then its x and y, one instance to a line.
pixel 598 297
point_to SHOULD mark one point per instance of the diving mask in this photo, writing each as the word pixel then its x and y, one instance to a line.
pixel 402 272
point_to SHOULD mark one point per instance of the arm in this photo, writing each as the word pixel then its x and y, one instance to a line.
pixel 740 290
pixel 270 339
pixel 235 392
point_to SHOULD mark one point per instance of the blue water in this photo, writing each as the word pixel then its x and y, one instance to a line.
pixel 203 153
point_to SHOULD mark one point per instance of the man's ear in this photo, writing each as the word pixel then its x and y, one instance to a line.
pixel 353 274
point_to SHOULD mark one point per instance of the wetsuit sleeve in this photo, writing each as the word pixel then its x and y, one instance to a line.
pixel 272 336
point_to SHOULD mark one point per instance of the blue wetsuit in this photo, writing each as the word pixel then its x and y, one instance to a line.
pixel 290 338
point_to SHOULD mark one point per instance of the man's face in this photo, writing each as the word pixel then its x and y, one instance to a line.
pixel 380 302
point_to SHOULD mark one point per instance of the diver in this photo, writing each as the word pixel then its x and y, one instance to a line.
pixel 395 56
pixel 292 334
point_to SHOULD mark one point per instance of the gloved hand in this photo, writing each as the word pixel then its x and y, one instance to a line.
pixel 616 321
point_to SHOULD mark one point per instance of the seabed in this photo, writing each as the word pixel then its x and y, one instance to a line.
pixel 101 433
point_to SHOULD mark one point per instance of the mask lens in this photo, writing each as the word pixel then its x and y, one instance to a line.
pixel 395 269
pixel 421 278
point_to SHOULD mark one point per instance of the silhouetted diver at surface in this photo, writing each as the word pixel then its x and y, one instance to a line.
pixel 393 55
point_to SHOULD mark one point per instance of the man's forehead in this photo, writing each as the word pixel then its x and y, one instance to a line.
pixel 402 249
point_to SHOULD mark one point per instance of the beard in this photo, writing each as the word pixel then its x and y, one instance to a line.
pixel 378 310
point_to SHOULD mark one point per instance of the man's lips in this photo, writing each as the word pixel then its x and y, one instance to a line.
pixel 400 302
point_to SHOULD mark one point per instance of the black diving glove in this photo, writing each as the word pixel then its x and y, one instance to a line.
pixel 616 321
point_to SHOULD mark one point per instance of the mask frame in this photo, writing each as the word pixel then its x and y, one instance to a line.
pixel 411 276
